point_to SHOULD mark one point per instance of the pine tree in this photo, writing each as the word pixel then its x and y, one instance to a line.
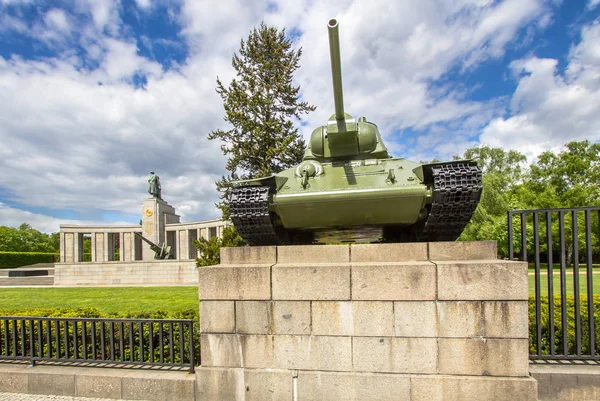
pixel 261 104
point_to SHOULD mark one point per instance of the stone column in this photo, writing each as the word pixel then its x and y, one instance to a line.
pixel 107 247
pixel 75 247
pixel 183 248
pixel 62 247
pixel 69 248
pixel 121 246
pixel 126 247
pixel 93 257
pixel 100 254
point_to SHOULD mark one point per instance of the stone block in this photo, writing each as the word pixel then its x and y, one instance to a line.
pixel 230 384
pixel 459 319
pixel 224 282
pixel 460 388
pixel 463 250
pixel 98 386
pixel 505 319
pixel 334 386
pixel 160 386
pixel 482 280
pixel 395 355
pixel 414 281
pixel 55 384
pixel 483 357
pixel 312 352
pixel 249 255
pixel 13 382
pixel 291 317
pixel 566 382
pixel 415 319
pixel 311 282
pixel 362 318
pixel 313 254
pixel 217 317
pixel 253 317
pixel 236 350
pixel 374 253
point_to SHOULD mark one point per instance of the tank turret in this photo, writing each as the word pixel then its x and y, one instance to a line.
pixel 343 136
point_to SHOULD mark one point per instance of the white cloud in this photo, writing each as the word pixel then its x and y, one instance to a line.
pixel 593 3
pixel 12 217
pixel 11 2
pixel 57 19
pixel 76 144
pixel 9 23
pixel 143 4
pixel 549 108
pixel 122 61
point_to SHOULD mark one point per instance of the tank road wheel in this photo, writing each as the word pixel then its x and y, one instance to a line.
pixel 249 211
pixel 456 191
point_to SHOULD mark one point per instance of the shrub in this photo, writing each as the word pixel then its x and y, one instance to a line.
pixel 558 327
pixel 120 332
pixel 17 259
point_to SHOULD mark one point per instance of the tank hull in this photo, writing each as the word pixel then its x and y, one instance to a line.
pixel 364 201
pixel 354 193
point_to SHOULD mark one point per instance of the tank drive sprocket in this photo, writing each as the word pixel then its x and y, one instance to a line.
pixel 249 211
pixel 457 188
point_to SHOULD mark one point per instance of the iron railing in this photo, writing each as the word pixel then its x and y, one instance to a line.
pixel 111 342
pixel 559 241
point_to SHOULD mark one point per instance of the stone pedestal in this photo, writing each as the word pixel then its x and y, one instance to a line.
pixel 155 214
pixel 438 321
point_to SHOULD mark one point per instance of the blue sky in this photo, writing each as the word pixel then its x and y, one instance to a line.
pixel 96 93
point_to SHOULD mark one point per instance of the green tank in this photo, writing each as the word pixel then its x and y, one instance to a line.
pixel 348 188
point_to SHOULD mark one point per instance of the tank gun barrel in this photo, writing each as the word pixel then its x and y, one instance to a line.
pixel 336 68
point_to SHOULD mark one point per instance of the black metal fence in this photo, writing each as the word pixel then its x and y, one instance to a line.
pixel 561 246
pixel 118 342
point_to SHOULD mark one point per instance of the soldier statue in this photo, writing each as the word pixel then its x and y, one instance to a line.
pixel 154 188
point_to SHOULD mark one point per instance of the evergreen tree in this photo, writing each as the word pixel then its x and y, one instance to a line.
pixel 261 104
pixel 210 250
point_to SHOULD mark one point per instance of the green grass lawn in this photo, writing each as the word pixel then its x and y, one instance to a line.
pixel 106 299
pixel 556 283
pixel 556 266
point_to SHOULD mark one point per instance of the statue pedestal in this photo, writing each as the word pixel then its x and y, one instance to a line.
pixel 156 213
pixel 442 321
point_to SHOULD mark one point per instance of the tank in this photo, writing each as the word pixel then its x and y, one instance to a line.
pixel 348 188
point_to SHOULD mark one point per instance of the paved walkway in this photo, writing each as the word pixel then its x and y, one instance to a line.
pixel 32 397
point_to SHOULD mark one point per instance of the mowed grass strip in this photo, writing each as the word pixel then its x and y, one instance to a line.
pixel 569 279
pixel 106 299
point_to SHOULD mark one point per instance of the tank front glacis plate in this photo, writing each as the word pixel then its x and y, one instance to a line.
pixel 349 193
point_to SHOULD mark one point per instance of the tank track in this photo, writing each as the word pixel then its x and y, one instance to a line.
pixel 456 191
pixel 249 211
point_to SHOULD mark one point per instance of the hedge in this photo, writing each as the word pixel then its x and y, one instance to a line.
pixel 17 259
pixel 96 313
pixel 545 343
pixel 558 338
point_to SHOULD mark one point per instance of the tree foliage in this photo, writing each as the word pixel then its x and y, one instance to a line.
pixel 568 178
pixel 210 250
pixel 261 104
pixel 27 239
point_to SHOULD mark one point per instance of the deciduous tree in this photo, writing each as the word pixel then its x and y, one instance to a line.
pixel 27 239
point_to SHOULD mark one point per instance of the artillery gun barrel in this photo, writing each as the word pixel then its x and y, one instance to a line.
pixel 336 68
pixel 153 246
